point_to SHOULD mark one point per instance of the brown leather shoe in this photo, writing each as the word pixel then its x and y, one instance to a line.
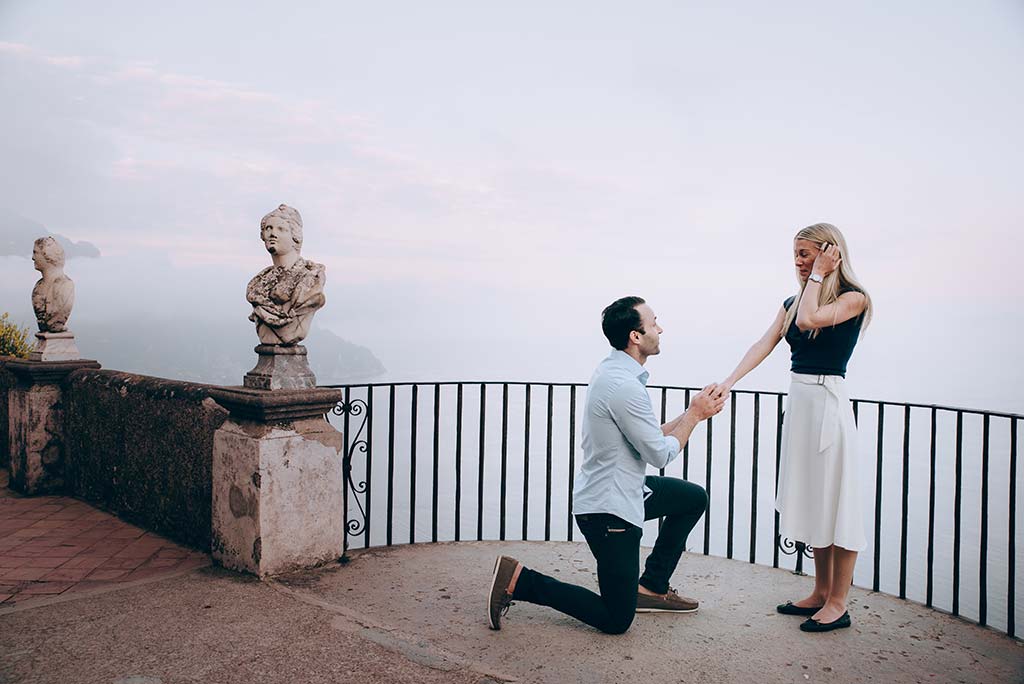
pixel 499 597
pixel 671 602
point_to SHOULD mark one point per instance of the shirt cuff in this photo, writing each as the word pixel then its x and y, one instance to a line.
pixel 671 440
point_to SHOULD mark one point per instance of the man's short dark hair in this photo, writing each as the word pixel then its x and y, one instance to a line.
pixel 621 318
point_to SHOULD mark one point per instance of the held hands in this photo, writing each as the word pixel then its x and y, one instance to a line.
pixel 827 260
pixel 708 402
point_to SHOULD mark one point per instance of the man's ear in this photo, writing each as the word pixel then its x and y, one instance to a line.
pixel 634 340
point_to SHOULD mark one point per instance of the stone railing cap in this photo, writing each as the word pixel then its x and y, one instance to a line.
pixel 276 405
pixel 46 371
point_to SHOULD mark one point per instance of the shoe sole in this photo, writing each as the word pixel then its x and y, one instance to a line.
pixel 823 631
pixel 827 627
pixel 797 610
pixel 490 592
pixel 667 610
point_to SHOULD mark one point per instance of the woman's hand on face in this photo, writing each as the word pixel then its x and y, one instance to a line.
pixel 827 260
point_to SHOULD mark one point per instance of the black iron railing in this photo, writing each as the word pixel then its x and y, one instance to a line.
pixel 475 472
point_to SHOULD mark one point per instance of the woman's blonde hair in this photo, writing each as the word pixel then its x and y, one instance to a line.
pixel 841 278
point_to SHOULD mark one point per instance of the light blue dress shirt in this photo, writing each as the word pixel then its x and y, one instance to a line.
pixel 620 437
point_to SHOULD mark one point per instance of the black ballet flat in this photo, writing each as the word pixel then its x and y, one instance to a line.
pixel 811 625
pixel 788 608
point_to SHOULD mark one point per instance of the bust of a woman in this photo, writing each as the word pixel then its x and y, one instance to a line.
pixel 54 293
pixel 285 296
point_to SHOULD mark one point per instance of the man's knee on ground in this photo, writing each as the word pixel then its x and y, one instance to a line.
pixel 619 624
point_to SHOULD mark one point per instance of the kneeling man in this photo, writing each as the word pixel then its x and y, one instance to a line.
pixel 612 497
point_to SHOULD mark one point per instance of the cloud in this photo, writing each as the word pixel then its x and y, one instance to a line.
pixel 161 152
pixel 17 49
pixel 161 124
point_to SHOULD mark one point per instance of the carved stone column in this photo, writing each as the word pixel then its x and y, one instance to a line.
pixel 278 486
pixel 36 423
pixel 279 367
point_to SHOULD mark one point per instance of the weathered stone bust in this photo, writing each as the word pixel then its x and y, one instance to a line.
pixel 285 296
pixel 54 293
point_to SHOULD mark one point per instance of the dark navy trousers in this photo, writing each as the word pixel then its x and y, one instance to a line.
pixel 615 544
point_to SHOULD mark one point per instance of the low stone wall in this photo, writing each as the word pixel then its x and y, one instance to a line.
pixel 6 382
pixel 142 448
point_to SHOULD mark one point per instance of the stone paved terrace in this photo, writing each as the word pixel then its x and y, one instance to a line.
pixel 57 546
pixel 414 614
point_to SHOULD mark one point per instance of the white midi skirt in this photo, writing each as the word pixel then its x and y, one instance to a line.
pixel 819 490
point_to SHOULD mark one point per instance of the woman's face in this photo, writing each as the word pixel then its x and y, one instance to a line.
pixel 804 254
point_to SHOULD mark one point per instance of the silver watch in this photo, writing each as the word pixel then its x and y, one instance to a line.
pixel 815 277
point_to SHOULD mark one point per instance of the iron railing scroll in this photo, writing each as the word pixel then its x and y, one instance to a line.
pixel 358 443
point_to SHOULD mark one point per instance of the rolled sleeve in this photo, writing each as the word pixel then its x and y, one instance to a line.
pixel 632 412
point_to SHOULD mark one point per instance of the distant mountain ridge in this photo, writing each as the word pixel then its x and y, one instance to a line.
pixel 217 352
pixel 17 234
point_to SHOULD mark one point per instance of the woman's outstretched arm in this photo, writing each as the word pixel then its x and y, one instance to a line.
pixel 758 352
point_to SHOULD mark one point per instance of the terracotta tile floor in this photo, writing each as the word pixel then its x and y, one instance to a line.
pixel 52 545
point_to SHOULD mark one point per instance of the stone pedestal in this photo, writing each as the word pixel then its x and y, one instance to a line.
pixel 36 423
pixel 55 347
pixel 278 486
pixel 280 368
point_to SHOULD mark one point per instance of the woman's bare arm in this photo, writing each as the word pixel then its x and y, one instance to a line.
pixel 758 352
pixel 810 316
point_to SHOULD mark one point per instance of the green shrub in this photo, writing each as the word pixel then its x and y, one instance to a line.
pixel 13 339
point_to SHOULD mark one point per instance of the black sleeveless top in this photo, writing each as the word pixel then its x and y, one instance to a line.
pixel 828 353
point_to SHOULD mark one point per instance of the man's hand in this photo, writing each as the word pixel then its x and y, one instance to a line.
pixel 708 402
pixel 703 405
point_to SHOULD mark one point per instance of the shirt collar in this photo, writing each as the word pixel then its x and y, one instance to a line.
pixel 628 363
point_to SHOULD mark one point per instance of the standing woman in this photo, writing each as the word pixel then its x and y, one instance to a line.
pixel 818 500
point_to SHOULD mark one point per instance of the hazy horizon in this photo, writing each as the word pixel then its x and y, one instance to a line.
pixel 481 181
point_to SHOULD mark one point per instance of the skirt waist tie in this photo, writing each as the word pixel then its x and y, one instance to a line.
pixel 830 413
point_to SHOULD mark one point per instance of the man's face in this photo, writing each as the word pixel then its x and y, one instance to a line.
pixel 38 258
pixel 649 342
pixel 277 236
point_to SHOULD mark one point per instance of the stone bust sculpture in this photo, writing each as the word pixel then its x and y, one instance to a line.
pixel 54 293
pixel 285 296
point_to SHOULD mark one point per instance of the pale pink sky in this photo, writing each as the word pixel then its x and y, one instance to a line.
pixel 481 181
